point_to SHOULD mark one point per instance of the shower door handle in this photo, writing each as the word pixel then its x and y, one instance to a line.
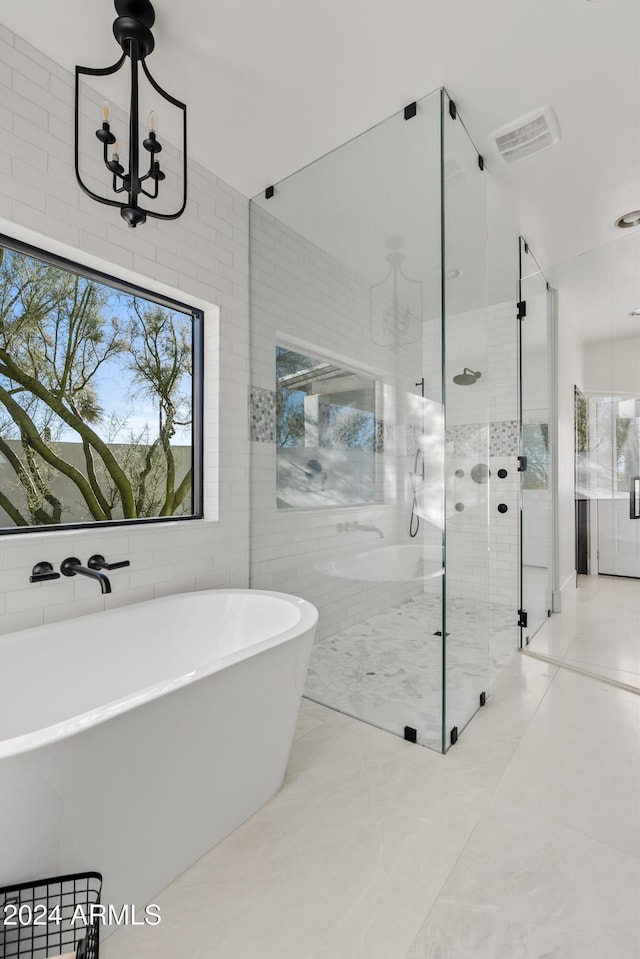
pixel 634 497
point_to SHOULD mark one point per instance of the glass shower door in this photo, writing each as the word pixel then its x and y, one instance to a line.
pixel 466 403
pixel 536 519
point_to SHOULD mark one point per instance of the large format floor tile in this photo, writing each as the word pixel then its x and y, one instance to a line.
pixel 521 843
pixel 343 862
pixel 527 888
pixel 579 763
pixel 488 743
pixel 598 630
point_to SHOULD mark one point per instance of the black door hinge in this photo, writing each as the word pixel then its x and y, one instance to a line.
pixel 522 621
pixel 453 113
pixel 481 161
pixel 523 464
pixel 453 737
pixel 483 698
pixel 268 193
pixel 522 309
pixel 410 734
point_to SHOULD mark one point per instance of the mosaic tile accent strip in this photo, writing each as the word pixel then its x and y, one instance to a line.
pixel 262 415
pixel 383 436
pixel 503 438
pixel 468 438
pixel 378 437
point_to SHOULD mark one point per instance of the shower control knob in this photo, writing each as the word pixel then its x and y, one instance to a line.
pixel 502 474
pixel 502 507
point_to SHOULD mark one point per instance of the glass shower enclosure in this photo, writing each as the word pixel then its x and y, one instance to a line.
pixel 535 470
pixel 369 418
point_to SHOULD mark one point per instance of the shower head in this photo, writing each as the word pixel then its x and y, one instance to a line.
pixel 467 377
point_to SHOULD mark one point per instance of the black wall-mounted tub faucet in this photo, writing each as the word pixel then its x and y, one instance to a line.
pixel 72 567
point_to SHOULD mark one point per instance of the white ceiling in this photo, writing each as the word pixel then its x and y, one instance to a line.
pixel 272 86
pixel 600 288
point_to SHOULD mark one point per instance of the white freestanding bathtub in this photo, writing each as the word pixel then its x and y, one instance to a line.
pixel 133 740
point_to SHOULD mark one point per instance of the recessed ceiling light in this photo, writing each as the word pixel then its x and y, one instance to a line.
pixel 629 219
pixel 634 313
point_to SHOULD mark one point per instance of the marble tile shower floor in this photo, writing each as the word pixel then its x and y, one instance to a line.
pixel 387 669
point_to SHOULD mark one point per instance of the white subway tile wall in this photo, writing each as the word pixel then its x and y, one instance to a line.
pixel 201 258
pixel 502 332
pixel 300 294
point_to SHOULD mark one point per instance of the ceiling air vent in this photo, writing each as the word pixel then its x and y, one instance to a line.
pixel 528 135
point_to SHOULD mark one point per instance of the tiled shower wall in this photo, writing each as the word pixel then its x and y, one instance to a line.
pixel 486 342
pixel 303 297
pixel 201 258
pixel 502 331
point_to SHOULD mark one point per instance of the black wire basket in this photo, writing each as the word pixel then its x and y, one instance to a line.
pixel 51 917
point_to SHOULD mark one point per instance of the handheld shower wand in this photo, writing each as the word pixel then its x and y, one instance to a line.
pixel 418 472
pixel 418 469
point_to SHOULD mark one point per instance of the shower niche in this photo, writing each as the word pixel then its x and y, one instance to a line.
pixel 369 418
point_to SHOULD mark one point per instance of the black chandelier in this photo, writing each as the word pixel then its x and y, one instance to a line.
pixel 132 30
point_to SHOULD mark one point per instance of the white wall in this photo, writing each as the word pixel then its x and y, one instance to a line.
pixel 201 258
pixel 613 366
pixel 570 373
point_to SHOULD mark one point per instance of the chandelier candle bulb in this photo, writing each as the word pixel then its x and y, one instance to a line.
pixel 106 112
pixel 114 164
pixel 151 144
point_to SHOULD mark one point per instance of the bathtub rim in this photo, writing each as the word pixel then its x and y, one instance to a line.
pixel 73 725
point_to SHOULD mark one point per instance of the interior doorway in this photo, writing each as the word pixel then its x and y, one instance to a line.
pixel 607 450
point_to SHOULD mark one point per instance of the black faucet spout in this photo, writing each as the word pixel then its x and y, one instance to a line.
pixel 72 567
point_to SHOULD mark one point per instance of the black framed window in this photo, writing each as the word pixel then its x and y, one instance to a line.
pixel 100 398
